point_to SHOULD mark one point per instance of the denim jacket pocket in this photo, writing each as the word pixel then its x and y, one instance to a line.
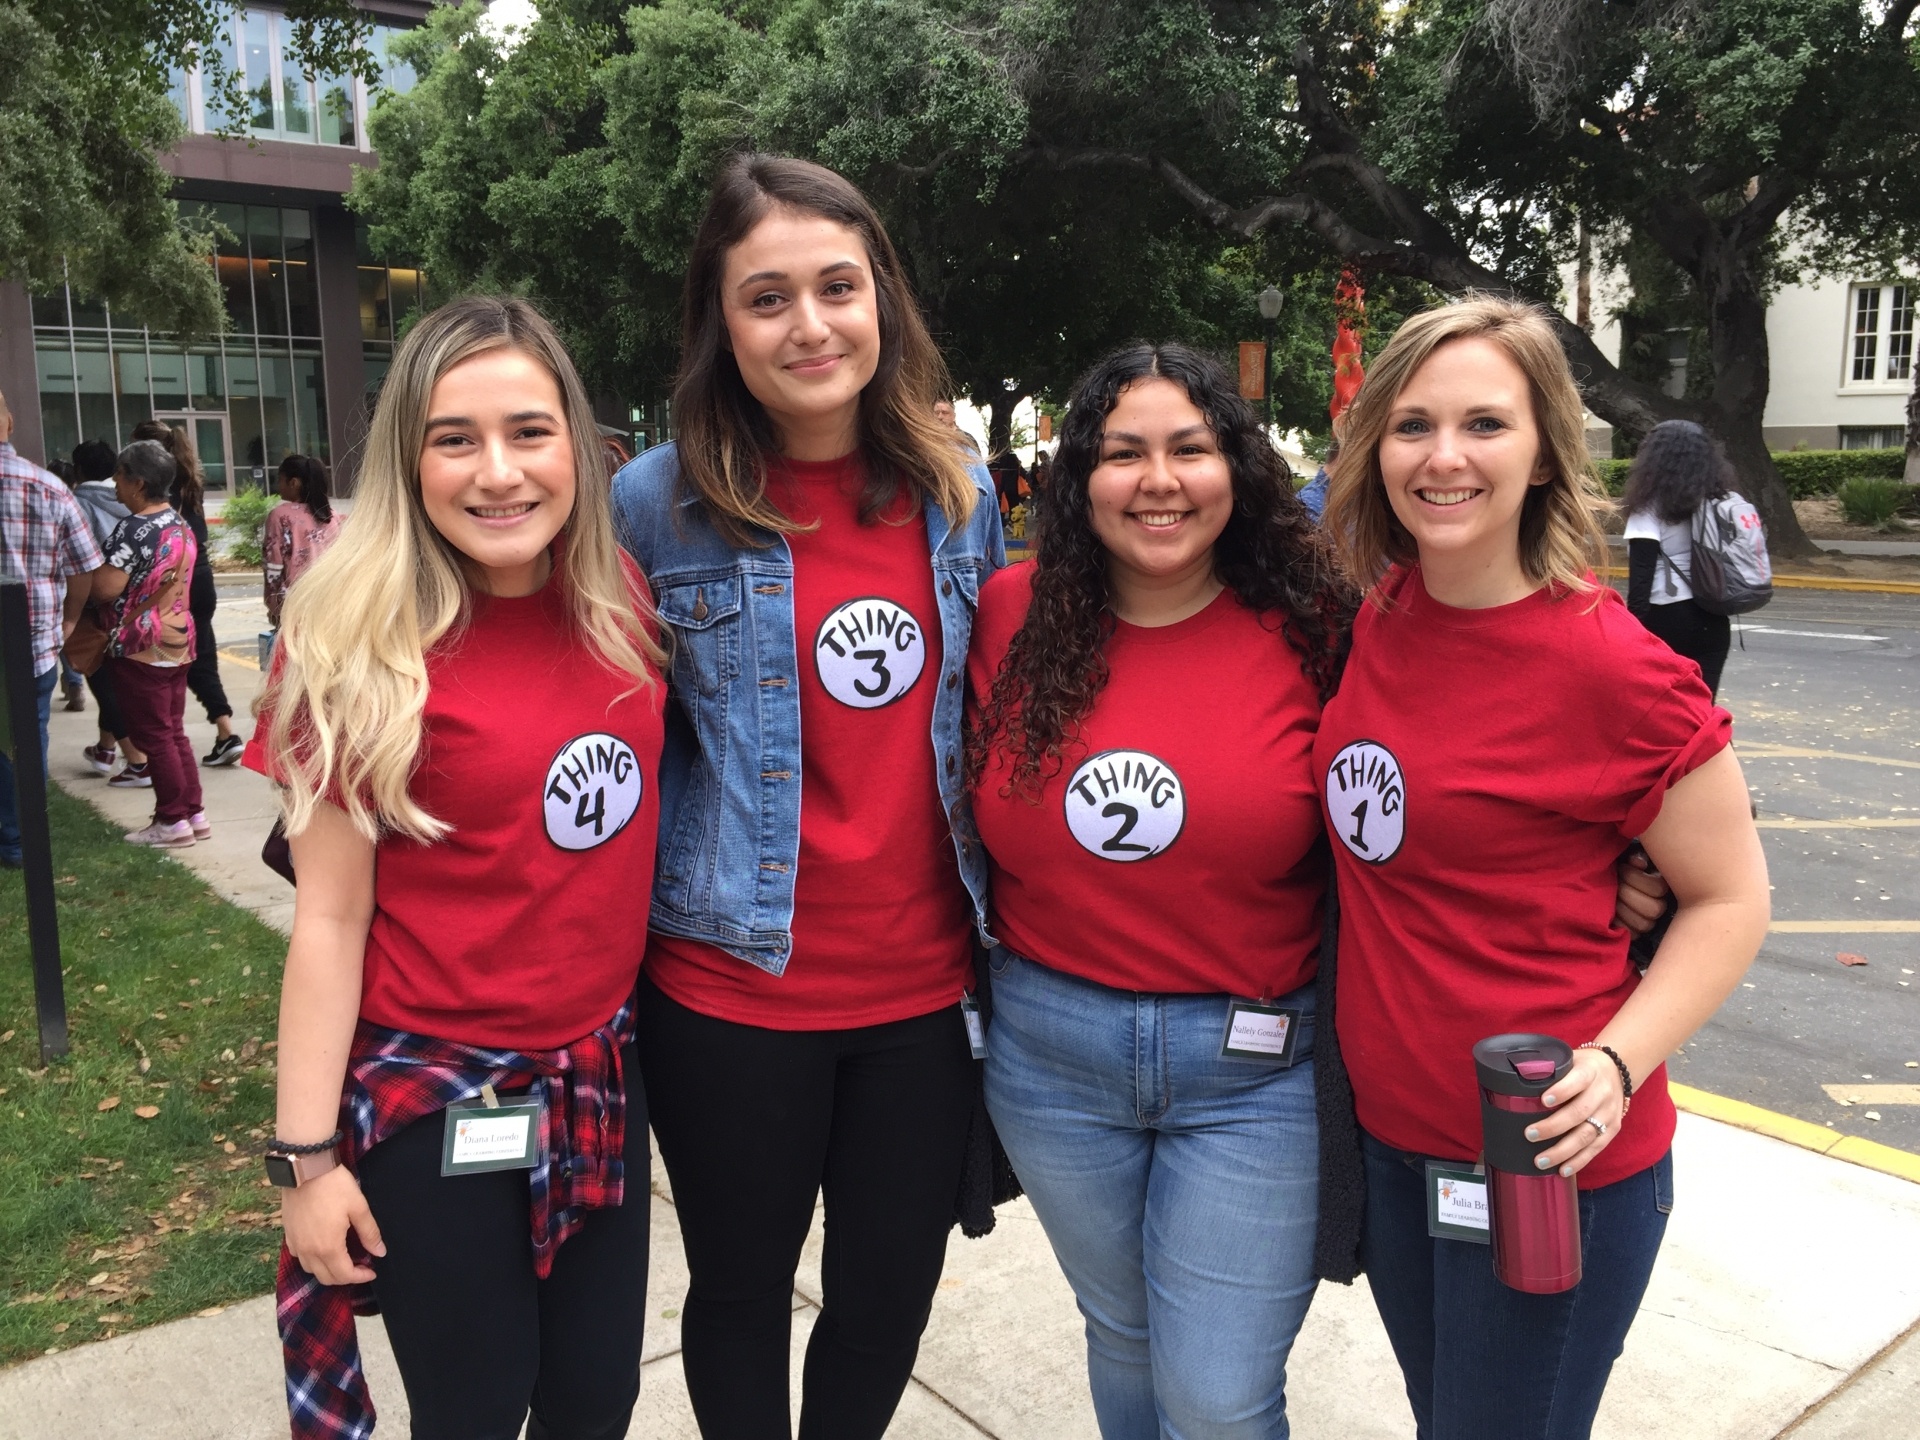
pixel 704 616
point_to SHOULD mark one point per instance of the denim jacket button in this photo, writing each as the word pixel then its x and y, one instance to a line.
pixel 951 764
pixel 952 680
pixel 946 587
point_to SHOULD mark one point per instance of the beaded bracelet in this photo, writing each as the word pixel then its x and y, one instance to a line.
pixel 1626 1076
pixel 281 1147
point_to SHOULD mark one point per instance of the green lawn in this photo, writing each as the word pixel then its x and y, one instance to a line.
pixel 130 1183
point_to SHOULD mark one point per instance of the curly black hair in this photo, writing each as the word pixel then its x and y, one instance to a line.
pixel 1271 556
pixel 1676 470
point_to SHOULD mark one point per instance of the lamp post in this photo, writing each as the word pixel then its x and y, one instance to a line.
pixel 1270 301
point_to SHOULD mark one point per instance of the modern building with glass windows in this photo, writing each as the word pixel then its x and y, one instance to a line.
pixel 311 311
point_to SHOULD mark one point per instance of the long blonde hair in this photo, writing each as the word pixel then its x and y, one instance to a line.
pixel 351 685
pixel 1560 535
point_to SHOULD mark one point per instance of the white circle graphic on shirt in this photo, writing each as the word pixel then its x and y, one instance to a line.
pixel 1367 801
pixel 593 789
pixel 1125 805
pixel 869 652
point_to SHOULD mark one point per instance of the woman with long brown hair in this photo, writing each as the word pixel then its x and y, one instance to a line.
pixel 1147 692
pixel 817 542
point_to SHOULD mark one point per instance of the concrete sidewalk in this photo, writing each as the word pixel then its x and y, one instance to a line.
pixel 1789 1284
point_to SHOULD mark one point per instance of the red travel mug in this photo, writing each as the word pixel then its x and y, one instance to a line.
pixel 1535 1213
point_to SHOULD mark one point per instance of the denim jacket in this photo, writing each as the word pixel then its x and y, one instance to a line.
pixel 730 774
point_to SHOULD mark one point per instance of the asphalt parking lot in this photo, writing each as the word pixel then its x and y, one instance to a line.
pixel 1826 705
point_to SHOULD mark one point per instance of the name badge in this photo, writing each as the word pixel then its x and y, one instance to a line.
pixel 1265 1034
pixel 1457 1203
pixel 493 1135
pixel 976 1031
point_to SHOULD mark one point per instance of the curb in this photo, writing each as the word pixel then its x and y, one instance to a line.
pixel 1813 582
pixel 1804 1133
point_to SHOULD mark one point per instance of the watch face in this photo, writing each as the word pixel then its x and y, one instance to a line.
pixel 280 1171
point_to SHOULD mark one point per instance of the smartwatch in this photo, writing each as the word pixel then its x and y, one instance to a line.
pixel 290 1166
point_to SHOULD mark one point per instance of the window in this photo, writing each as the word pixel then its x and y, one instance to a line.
pixel 99 376
pixel 278 102
pixel 1881 341
pixel 1873 437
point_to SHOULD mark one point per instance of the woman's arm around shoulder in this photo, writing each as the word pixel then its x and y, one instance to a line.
pixel 319 1008
pixel 1705 844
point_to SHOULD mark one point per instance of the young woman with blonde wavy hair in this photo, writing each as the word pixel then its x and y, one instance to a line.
pixel 1504 729
pixel 464 720
pixel 818 541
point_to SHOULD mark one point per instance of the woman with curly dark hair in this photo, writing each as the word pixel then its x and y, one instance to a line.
pixel 1147 691
pixel 1679 468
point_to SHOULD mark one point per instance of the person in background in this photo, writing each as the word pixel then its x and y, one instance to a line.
pixel 943 412
pixel 94 463
pixel 145 583
pixel 1009 479
pixel 1678 468
pixel 72 687
pixel 299 528
pixel 203 676
pixel 43 538
pixel 1313 494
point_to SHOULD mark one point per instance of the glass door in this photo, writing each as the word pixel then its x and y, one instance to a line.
pixel 211 442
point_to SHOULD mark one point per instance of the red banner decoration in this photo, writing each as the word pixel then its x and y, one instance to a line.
pixel 1253 370
pixel 1350 306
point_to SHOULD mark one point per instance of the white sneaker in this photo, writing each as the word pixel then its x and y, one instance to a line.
pixel 175 836
pixel 202 827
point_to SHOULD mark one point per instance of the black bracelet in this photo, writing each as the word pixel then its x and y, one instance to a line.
pixel 1626 1076
pixel 281 1147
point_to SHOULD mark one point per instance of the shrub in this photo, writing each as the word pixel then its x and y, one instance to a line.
pixel 1823 472
pixel 1872 500
pixel 245 519
pixel 1807 472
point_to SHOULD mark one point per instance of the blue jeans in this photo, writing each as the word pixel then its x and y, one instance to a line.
pixel 1179 1190
pixel 1506 1366
pixel 9 804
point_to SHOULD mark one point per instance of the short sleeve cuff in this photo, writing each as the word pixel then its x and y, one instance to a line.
pixel 1713 736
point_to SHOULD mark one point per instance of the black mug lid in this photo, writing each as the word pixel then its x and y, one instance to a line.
pixel 1521 1064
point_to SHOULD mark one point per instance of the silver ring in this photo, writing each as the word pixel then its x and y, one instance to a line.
pixel 1599 1126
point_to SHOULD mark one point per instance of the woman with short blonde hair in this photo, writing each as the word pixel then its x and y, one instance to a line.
pixel 1504 729
pixel 1560 535
pixel 465 721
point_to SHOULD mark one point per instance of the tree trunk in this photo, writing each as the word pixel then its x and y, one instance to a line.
pixel 1737 330
pixel 999 399
pixel 1913 431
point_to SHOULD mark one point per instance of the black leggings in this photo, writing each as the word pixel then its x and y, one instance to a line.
pixel 101 684
pixel 203 675
pixel 1698 634
pixel 754 1124
pixel 478 1337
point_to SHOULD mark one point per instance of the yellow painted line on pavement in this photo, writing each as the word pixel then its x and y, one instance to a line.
pixel 240 655
pixel 1874 1094
pixel 1801 752
pixel 1817 582
pixel 1845 927
pixel 1804 1133
pixel 1789 822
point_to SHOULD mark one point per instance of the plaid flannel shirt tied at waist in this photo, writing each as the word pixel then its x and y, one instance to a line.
pixel 395 1078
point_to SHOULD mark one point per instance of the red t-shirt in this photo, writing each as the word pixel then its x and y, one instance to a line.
pixel 1178 848
pixel 1482 771
pixel 880 915
pixel 525 925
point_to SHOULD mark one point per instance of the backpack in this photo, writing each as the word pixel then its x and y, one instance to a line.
pixel 1729 573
